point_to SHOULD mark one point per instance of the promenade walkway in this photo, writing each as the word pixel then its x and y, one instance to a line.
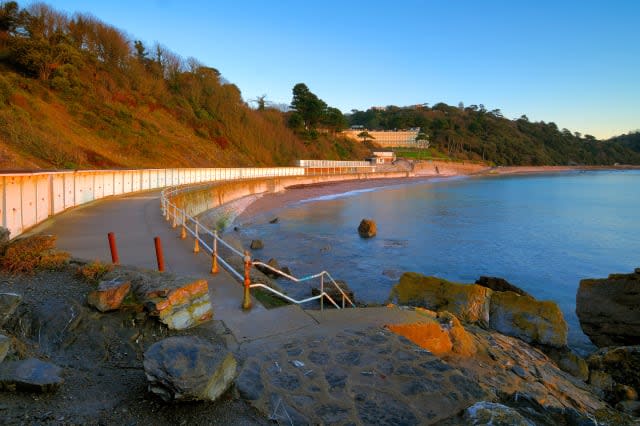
pixel 136 219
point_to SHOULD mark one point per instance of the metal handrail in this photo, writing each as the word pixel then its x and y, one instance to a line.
pixel 179 216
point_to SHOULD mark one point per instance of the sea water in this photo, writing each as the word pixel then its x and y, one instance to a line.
pixel 543 233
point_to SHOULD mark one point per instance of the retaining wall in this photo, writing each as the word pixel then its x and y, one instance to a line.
pixel 197 201
pixel 31 198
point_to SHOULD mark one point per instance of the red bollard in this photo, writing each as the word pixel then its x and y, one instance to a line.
pixel 114 249
pixel 159 255
pixel 246 299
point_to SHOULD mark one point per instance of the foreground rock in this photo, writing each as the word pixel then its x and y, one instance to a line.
pixel 188 368
pixel 531 320
pixel 608 309
pixel 491 413
pixel 30 375
pixel 334 293
pixel 500 284
pixel 470 303
pixel 538 322
pixel 109 295
pixel 367 228
pixel 615 373
pixel 178 302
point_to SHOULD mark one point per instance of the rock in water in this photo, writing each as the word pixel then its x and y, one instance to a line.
pixel 188 368
pixel 500 284
pixel 468 302
pixel 608 309
pixel 256 245
pixel 8 304
pixel 30 375
pixel 367 228
pixel 109 295
pixel 528 319
pixel 334 293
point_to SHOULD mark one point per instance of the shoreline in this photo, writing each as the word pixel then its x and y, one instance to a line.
pixel 274 202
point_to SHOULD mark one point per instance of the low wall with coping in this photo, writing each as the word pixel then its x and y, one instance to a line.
pixel 30 198
pixel 198 200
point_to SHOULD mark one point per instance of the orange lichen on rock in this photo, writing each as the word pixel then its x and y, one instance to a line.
pixel 429 336
pixel 184 294
pixel 109 295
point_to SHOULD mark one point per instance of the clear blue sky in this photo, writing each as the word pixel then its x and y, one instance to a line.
pixel 576 63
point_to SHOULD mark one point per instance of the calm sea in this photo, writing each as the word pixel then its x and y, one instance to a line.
pixel 540 232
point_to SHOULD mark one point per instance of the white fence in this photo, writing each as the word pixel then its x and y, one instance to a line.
pixel 31 198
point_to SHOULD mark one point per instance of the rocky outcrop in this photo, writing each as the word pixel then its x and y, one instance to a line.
pixel 334 293
pixel 470 303
pixel 30 375
pixel 367 228
pixel 109 295
pixel 8 304
pixel 531 320
pixel 569 361
pixel 500 284
pixel 615 373
pixel 187 368
pixel 608 309
pixel 444 336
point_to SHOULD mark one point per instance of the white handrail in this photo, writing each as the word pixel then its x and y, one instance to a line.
pixel 172 212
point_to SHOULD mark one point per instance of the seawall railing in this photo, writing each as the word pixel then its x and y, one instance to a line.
pixel 209 240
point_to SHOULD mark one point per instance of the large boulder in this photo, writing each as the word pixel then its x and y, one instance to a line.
pixel 109 295
pixel 188 368
pixel 534 321
pixel 367 228
pixel 500 284
pixel 30 375
pixel 608 309
pixel 468 302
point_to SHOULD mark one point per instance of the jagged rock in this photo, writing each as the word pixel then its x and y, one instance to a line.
pixel 274 220
pixel 179 302
pixel 31 375
pixel 492 413
pixel 367 228
pixel 334 293
pixel 256 245
pixel 109 295
pixel 569 362
pixel 462 342
pixel 188 368
pixel 608 309
pixel 468 302
pixel 528 319
pixel 8 304
pixel 612 367
pixel 5 346
pixel 500 284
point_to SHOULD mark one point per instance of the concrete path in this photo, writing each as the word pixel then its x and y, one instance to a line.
pixel 136 220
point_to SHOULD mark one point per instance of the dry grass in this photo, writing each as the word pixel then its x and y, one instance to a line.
pixel 94 271
pixel 27 255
